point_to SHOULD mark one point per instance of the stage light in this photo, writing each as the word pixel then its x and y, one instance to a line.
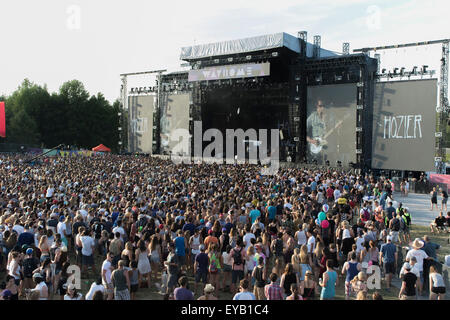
pixel 383 71
pixel 216 60
pixel 424 69
pixel 274 54
pixel 402 71
pixel 414 70
pixel 248 57
pixel 395 70
pixel 230 59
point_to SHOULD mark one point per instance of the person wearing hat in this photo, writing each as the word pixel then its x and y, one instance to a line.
pixel 12 287
pixel 209 290
pixel 420 256
pixel 388 257
pixel 29 264
pixel 41 286
pixel 409 284
pixel 6 295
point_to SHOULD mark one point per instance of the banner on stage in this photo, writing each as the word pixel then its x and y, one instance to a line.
pixel 234 71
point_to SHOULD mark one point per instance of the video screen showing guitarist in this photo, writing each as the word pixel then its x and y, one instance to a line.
pixel 321 133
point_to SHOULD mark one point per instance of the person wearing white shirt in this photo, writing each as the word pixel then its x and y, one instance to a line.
pixel 419 255
pixel 87 251
pixel 50 191
pixel 244 294
pixel 300 236
pixel 414 269
pixel 311 242
pixel 18 228
pixel 247 238
pixel 120 230
pixel 96 286
pixel 107 269
pixel 337 194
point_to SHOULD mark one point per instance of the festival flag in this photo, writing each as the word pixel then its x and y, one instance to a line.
pixel 2 120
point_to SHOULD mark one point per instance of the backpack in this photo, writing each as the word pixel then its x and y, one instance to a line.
pixel 29 265
pixel 279 247
pixel 366 215
pixel 237 257
pixel 213 265
pixel 402 224
pixel 142 222
pixel 98 228
pixel 396 224
pixel 407 218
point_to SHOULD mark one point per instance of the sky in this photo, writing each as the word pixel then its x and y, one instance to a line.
pixel 53 41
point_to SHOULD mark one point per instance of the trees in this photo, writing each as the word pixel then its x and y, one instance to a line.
pixel 69 117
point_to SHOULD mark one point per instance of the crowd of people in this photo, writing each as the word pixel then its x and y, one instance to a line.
pixel 141 224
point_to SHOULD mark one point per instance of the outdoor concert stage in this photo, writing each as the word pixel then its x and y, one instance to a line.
pixel 331 109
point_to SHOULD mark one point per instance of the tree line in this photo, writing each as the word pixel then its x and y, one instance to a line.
pixel 71 117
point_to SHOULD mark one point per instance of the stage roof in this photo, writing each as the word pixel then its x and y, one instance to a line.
pixel 259 43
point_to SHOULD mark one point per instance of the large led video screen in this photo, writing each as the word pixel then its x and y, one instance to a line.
pixel 140 137
pixel 404 125
pixel 174 115
pixel 331 124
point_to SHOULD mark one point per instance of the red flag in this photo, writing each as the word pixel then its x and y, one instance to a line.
pixel 2 120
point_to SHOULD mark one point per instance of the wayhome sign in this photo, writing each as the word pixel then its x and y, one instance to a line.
pixel 230 72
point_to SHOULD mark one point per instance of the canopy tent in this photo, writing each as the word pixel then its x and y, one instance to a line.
pixel 101 148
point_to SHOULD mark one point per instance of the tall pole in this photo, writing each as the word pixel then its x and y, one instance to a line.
pixel 125 105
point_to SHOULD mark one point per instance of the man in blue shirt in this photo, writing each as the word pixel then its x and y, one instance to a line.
pixel 180 249
pixel 272 211
pixel 254 214
pixel 189 226
pixel 228 225
pixel 390 211
pixel 201 268
pixel 388 256
pixel 430 249
pixel 26 237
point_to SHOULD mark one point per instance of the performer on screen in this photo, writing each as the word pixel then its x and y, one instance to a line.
pixel 320 125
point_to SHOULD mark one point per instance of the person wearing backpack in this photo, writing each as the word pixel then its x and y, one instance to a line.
pixel 394 225
pixel 237 267
pixel 364 213
pixel 407 225
pixel 29 264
